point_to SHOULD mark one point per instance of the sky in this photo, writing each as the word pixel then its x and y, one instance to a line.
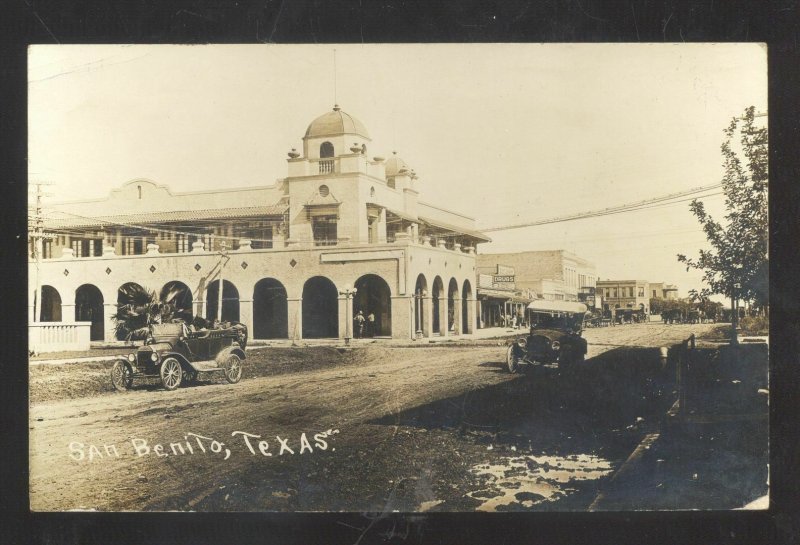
pixel 504 133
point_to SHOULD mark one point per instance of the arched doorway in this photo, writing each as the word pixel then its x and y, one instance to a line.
pixel 420 293
pixel 89 308
pixel 452 298
pixel 50 309
pixel 466 295
pixel 374 296
pixel 230 301
pixel 320 309
pixel 436 295
pixel 179 295
pixel 270 311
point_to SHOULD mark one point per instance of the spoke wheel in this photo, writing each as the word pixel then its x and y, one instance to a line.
pixel 189 376
pixel 121 376
pixel 233 368
pixel 511 360
pixel 171 373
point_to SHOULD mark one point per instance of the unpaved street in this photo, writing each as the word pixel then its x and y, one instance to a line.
pixel 374 428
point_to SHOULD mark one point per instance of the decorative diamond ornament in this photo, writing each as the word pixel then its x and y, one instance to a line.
pixel 197 266
pixel 108 270
pixel 66 272
pixel 152 268
pixel 244 264
pixel 293 262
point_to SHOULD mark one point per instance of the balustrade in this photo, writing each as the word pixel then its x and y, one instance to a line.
pixel 326 166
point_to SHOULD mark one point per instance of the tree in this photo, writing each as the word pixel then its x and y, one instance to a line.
pixel 737 264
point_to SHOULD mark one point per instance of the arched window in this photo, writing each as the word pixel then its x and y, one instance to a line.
pixel 325 150
pixel 363 149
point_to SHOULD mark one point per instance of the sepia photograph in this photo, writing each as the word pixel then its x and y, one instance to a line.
pixel 409 278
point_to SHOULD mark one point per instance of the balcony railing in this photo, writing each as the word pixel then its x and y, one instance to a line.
pixel 326 166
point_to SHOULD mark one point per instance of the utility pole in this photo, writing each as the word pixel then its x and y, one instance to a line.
pixel 38 236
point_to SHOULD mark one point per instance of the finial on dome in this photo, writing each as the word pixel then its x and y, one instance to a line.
pixel 336 108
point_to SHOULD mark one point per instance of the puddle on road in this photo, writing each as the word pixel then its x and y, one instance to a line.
pixel 530 480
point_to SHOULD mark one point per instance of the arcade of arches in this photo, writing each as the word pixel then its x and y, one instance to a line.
pixel 318 314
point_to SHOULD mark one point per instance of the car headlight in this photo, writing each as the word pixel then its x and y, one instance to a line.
pixel 555 345
pixel 154 357
pixel 131 358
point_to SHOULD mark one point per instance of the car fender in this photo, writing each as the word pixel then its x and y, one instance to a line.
pixel 223 354
pixel 178 356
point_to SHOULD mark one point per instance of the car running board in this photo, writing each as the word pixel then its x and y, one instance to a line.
pixel 206 366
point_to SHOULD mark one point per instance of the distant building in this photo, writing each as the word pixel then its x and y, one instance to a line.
pixel 662 290
pixel 553 274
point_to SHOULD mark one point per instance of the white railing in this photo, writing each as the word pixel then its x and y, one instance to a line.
pixel 325 166
pixel 58 336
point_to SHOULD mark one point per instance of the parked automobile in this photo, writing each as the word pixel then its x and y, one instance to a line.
pixel 555 336
pixel 177 352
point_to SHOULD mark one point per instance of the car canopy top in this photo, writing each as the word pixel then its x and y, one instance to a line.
pixel 557 306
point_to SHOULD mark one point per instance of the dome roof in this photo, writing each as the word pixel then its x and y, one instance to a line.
pixel 395 164
pixel 334 123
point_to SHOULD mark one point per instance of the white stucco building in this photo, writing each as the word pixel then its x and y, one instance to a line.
pixel 342 217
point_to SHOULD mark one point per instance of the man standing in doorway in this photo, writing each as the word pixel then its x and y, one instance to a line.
pixel 371 324
pixel 359 325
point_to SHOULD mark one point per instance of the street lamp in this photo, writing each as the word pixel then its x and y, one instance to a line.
pixel 348 292
pixel 419 295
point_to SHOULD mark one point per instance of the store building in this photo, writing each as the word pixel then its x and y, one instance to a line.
pixel 553 274
pixel 344 231
pixel 499 299
pixel 634 294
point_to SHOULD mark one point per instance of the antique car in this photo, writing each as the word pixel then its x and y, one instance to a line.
pixel 177 352
pixel 555 336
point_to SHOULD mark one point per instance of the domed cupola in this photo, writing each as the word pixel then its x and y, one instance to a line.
pixel 336 123
pixel 395 165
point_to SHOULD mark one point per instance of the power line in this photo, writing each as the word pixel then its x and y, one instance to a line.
pixel 628 207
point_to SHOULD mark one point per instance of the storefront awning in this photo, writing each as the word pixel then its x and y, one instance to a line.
pixel 502 294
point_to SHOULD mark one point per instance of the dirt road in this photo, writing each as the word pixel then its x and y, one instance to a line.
pixel 371 429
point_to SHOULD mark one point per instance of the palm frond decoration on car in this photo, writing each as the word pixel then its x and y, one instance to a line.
pixel 138 308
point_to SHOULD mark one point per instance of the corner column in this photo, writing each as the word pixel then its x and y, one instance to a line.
pixel 472 305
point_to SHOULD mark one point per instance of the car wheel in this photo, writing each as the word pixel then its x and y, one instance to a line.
pixel 121 376
pixel 171 373
pixel 512 361
pixel 233 368
pixel 189 376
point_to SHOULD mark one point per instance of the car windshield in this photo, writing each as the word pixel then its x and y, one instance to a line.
pixel 540 320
